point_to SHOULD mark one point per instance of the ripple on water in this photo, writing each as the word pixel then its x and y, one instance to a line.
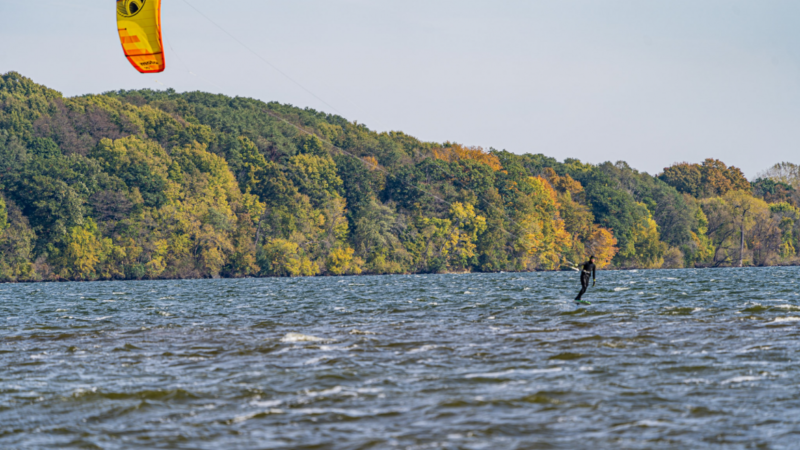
pixel 662 359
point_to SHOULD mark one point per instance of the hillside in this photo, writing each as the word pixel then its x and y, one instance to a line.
pixel 156 184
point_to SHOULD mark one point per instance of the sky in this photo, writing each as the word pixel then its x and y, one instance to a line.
pixel 648 82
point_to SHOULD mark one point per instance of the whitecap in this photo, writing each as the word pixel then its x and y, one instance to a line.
pixel 740 380
pixel 332 391
pixel 321 411
pixel 246 417
pixel 787 319
pixel 361 333
pixel 620 289
pixel 314 361
pixel 424 348
pixel 297 337
pixel 650 423
pixel 790 307
pixel 332 348
pixel 369 390
pixel 267 404
pixel 512 372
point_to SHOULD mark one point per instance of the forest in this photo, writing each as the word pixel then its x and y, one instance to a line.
pixel 164 185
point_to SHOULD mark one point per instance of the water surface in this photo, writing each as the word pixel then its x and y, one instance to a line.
pixel 662 359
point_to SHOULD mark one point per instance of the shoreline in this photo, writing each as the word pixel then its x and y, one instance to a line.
pixel 795 264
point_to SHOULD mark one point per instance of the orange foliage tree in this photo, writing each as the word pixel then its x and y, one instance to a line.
pixel 603 245
pixel 456 152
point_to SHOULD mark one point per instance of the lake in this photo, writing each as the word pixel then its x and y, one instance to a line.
pixel 662 359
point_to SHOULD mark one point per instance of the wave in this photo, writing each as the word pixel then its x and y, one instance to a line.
pixel 298 337
pixel 787 319
pixel 506 373
pixel 742 379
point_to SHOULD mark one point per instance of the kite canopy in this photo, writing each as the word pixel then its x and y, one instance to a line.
pixel 139 24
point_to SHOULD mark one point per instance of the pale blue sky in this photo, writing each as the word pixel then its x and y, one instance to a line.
pixel 649 82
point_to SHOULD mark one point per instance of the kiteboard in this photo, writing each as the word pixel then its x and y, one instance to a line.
pixel 582 302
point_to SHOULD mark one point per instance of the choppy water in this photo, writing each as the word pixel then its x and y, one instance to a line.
pixel 663 359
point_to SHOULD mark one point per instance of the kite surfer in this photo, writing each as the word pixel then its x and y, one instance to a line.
pixel 587 271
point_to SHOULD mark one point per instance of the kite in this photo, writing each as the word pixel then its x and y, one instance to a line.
pixel 139 25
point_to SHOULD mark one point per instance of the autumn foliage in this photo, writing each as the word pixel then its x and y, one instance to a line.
pixel 452 152
pixel 154 185
pixel 710 178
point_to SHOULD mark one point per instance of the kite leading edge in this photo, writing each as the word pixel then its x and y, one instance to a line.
pixel 139 25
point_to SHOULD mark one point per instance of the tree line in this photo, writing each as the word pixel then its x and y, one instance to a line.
pixel 157 184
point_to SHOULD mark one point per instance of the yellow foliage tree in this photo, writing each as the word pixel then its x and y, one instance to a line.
pixel 647 242
pixel 85 253
pixel 3 216
pixel 746 212
pixel 340 261
pixel 465 227
pixel 541 232
pixel 284 258
pixel 371 162
pixel 456 152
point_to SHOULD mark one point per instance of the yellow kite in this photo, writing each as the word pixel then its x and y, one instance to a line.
pixel 139 24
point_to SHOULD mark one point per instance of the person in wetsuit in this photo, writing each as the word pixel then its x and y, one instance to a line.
pixel 587 271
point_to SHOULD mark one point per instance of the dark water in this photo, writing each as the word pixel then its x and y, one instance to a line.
pixel 663 359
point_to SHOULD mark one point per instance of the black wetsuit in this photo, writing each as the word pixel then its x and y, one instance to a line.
pixel 587 272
